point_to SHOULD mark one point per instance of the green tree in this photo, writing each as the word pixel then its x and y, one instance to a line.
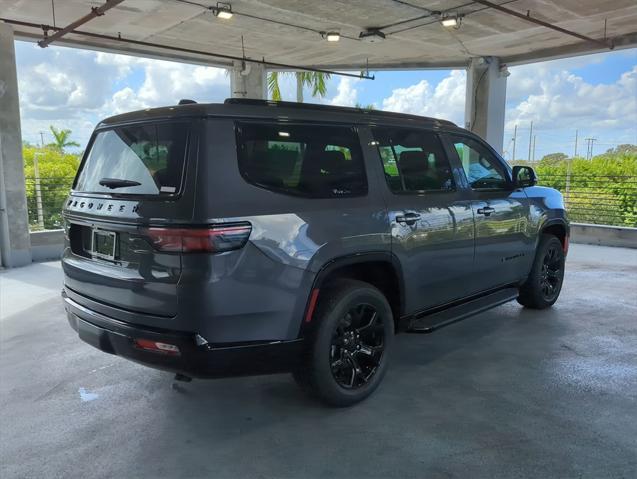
pixel 62 139
pixel 602 190
pixel 316 81
pixel 625 148
pixel 553 158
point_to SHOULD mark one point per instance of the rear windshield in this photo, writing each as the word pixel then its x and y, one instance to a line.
pixel 148 158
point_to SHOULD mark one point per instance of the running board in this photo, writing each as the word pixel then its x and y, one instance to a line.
pixel 428 323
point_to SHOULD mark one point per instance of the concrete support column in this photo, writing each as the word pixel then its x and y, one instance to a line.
pixel 248 80
pixel 486 99
pixel 15 245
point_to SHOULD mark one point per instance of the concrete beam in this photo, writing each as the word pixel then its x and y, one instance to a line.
pixel 15 245
pixel 553 53
pixel 248 80
pixel 486 100
pixel 620 42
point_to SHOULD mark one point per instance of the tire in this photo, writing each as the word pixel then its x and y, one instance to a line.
pixel 348 347
pixel 543 286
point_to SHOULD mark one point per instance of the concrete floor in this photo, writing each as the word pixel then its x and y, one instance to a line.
pixel 509 393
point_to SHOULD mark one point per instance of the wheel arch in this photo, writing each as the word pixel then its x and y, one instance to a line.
pixel 380 269
pixel 559 228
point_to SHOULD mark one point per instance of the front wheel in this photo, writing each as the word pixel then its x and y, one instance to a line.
pixel 543 286
pixel 349 344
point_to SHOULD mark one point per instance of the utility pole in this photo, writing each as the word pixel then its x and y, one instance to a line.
pixel 568 181
pixel 533 157
pixel 515 140
pixel 530 140
pixel 589 147
pixel 575 154
pixel 41 139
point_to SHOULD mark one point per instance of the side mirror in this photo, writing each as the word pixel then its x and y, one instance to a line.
pixel 524 176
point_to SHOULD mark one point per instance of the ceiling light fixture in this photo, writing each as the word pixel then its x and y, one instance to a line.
pixel 331 36
pixel 222 10
pixel 451 21
pixel 372 35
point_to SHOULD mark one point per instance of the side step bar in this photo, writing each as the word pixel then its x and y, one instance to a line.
pixel 428 323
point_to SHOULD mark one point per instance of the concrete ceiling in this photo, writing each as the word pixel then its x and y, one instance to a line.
pixel 287 31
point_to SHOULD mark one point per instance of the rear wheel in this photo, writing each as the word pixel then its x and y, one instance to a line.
pixel 349 344
pixel 543 286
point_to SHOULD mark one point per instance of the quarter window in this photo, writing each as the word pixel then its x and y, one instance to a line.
pixel 302 160
pixel 414 160
pixel 483 170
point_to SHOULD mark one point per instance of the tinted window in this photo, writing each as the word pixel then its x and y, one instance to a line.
pixel 413 160
pixel 304 160
pixel 152 155
pixel 482 168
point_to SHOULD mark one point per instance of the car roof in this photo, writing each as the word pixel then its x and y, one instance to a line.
pixel 267 109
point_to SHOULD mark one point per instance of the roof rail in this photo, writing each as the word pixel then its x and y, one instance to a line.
pixel 317 106
pixel 186 101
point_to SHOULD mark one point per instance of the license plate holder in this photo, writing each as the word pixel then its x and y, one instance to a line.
pixel 103 244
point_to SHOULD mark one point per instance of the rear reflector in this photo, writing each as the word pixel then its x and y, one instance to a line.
pixel 566 245
pixel 312 306
pixel 164 348
pixel 213 239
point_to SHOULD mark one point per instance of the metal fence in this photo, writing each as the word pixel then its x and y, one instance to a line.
pixel 595 199
pixel 45 199
pixel 602 200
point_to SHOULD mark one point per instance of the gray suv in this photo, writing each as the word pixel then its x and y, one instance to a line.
pixel 257 237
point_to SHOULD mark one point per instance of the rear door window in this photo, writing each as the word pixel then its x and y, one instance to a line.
pixel 148 159
pixel 414 160
pixel 302 160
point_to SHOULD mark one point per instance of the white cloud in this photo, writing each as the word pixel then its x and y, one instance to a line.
pixel 165 83
pixel 445 101
pixel 75 89
pixel 557 99
pixel 347 94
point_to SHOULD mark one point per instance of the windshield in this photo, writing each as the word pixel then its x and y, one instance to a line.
pixel 149 158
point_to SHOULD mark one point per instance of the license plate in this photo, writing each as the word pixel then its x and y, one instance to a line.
pixel 103 244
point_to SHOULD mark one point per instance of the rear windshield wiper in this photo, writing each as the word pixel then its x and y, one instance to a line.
pixel 117 183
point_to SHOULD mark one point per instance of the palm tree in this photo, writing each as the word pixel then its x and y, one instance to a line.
pixel 62 139
pixel 317 81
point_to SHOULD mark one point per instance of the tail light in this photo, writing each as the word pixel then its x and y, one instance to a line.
pixel 157 347
pixel 213 239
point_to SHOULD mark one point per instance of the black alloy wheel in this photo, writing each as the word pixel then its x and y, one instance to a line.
pixel 348 344
pixel 358 343
pixel 544 283
pixel 551 272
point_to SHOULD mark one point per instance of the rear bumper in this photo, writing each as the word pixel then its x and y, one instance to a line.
pixel 203 361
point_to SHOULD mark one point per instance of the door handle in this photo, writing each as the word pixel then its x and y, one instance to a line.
pixel 408 218
pixel 486 211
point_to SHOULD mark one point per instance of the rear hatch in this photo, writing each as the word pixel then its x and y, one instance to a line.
pixel 134 179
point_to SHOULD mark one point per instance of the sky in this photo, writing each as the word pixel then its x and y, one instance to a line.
pixel 594 94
